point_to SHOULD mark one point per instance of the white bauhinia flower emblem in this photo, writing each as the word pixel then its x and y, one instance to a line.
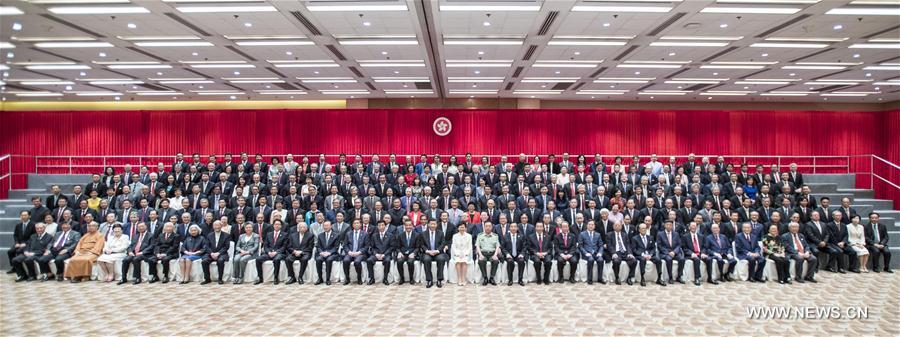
pixel 442 126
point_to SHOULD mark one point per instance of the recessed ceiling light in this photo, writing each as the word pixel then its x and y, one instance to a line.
pixel 98 10
pixel 384 53
pixel 606 24
pixel 751 10
pixel 856 56
pixel 765 55
pixel 868 74
pixel 16 26
pixel 68 87
pixel 724 25
pixel 132 25
pixel 395 72
pixel 557 72
pixel 195 54
pixel 82 74
pixel 486 23
pixel 637 72
pixel 159 73
pixel 792 74
pixel 672 54
pixel 237 72
pixel 838 27
pixel 316 72
pixel 478 72
pixel 248 24
pixel 367 23
pixel 10 55
pixel 577 53
pixel 480 52
pixel 102 54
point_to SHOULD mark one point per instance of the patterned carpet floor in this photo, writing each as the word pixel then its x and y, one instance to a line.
pixel 94 309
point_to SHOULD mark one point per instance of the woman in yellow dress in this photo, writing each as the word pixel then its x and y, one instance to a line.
pixel 86 252
pixel 94 201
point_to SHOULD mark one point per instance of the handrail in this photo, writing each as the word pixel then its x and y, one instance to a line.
pixel 886 162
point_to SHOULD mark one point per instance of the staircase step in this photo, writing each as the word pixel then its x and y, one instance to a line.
pixel 842 180
pixel 876 203
pixel 858 192
pixel 823 187
pixel 25 193
pixel 6 239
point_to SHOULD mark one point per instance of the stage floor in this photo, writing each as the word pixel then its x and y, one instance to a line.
pixel 92 309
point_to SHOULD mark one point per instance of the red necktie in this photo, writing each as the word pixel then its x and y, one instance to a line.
pixel 696 244
pixel 137 247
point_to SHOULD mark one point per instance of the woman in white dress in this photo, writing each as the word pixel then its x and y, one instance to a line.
pixel 563 177
pixel 113 250
pixel 856 234
pixel 461 253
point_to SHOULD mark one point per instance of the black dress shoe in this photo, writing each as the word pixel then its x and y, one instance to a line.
pixel 21 279
pixel 670 281
pixel 205 282
pixel 509 283
pixel 441 284
pixel 121 282
pixel 886 270
pixel 697 282
pixel 165 280
pixel 728 278
pixel 10 272
pixel 713 281
pixel 371 282
pixel 59 278
pixel 484 281
pixel 359 282
pixel 75 280
pixel 602 281
pixel 154 279
pixel 30 279
pixel 590 282
pixel 811 280
pixel 760 280
pixel 385 281
pixel 490 280
pixel 276 282
pixel 402 281
pixel 842 271
pixel 855 271
pixel 300 281
pixel 799 280
pixel 291 281
pixel 680 280
pixel 136 281
pixel 643 283
pixel 660 282
pixel 750 279
pixel 618 282
pixel 327 282
pixel 429 284
pixel 780 281
pixel 629 281
pixel 318 282
pixel 521 283
pixel 220 281
pixel 572 279
pixel 258 282
pixel 346 282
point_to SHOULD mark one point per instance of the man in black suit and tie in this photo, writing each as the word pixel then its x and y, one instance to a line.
pixel 798 250
pixel 618 248
pixel 299 248
pixel 565 245
pixel 644 248
pixel 218 243
pixel 272 249
pixel 21 234
pixel 381 249
pixel 327 245
pixel 694 243
pixel 668 243
pixel 141 249
pixel 513 247
pixel 34 248
pixel 407 251
pixel 355 247
pixel 434 249
pixel 718 248
pixel 877 242
pixel 165 249
pixel 63 246
pixel 541 251
pixel 839 246
pixel 590 245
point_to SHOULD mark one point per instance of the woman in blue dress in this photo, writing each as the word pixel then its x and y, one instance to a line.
pixel 750 188
pixel 193 248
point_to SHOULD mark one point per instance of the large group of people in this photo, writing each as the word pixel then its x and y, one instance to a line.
pixel 539 209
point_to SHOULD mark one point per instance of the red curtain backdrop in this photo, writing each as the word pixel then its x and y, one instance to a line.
pixel 476 131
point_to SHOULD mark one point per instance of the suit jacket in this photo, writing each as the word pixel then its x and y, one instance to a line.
pixel 590 243
pixel 385 246
pixel 721 246
pixel 814 235
pixel 166 246
pixel 331 245
pixel 362 244
pixel 638 248
pixel 37 244
pixel 220 246
pixel 882 235
pixel 790 246
pixel 545 245
pixel 665 246
pixel 565 244
pixel 743 247
pixel 407 247
pixel 275 245
pixel 506 245
pixel 838 233
pixel 425 241
pixel 304 245
pixel 687 243
pixel 611 238
pixel 69 244
pixel 20 234
pixel 146 244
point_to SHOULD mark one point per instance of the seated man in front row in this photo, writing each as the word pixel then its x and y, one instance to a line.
pixel 746 245
pixel 643 246
pixel 35 247
pixel 565 245
pixel 718 248
pixel 590 245
pixel 694 249
pixel 799 251
pixel 618 249
pixel 299 248
pixel 355 246
pixel 327 244
pixel 381 248
pixel 62 247
pixel 272 250
pixel 407 251
pixel 433 247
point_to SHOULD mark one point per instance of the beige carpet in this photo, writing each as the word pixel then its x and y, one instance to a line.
pixel 51 308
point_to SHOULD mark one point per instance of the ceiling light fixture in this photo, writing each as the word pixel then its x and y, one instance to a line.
pixel 226 9
pixel 490 8
pixel 10 10
pixel 895 11
pixel 174 44
pixel 356 8
pixel 48 45
pixel 98 10
pixel 622 9
pixel 875 46
pixel 751 10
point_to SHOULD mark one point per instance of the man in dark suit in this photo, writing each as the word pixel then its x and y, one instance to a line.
pixel 668 243
pixel 513 247
pixel 695 250
pixel 618 248
pixel 433 248
pixel 565 246
pixel 747 248
pixel 21 234
pixel 272 249
pixel 63 245
pixel 839 246
pixel 355 246
pixel 327 245
pixel 644 248
pixel 140 250
pixel 877 242
pixel 590 245
pixel 34 248
pixel 165 249
pixel 381 249
pixel 218 244
pixel 817 234
pixel 300 248
pixel 407 251
pixel 541 251
pixel 718 248
pixel 798 250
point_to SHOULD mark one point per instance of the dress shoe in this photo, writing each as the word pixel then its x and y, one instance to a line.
pixel 484 281
pixel 346 282
pixel 371 282
pixel 572 279
pixel 697 282
pixel 300 281
pixel 546 282
pixel 401 282
pixel 713 281
pixel 59 278
pixel 876 270
pixel 670 281
pixel 236 281
pixel 319 281
pixel 165 280
pixel 137 281
pixel 643 283
pixel 182 282
pixel 886 270
pixel 75 280
pixel 30 279
pixel 602 281
pixel 21 279
pixel 359 282
pixel 660 282
pixel 48 277
pixel 630 281
pixel 728 278
pixel 780 281
pixel 205 282
pixel 811 280
pixel 680 280
pixel 799 280
pixel 441 284
pixel 220 281
pixel 121 282
pixel 385 281
pixel 560 280
pixel 521 283
pixel 831 269
pixel 11 271
pixel 842 271
pixel 590 282
pixel 429 284
pixel 618 282
pixel 490 280
pixel 760 280
pixel 154 279
pixel 855 271
pixel 750 279
pixel 258 282
pixel 291 280
pixel 276 282
pixel 327 282
pixel 509 283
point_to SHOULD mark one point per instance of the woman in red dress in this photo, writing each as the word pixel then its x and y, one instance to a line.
pixel 416 215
